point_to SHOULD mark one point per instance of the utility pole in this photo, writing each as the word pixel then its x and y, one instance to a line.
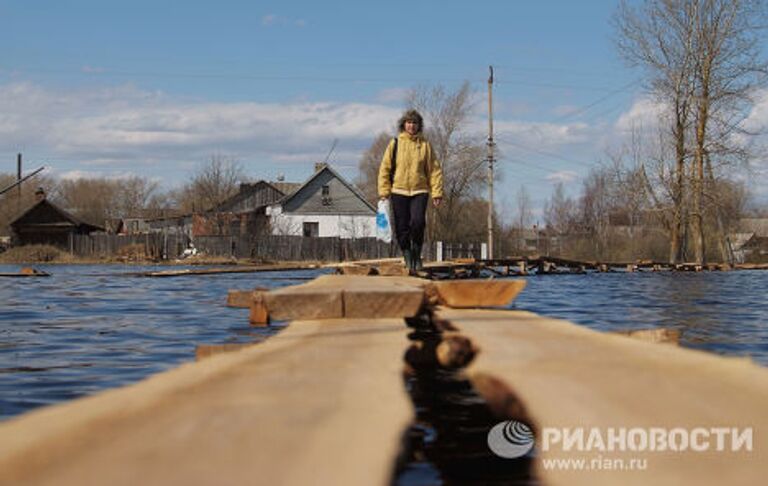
pixel 490 164
pixel 18 181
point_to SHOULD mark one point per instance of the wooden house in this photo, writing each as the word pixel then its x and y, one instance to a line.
pixel 326 205
pixel 47 224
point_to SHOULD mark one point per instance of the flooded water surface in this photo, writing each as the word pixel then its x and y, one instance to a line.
pixel 88 328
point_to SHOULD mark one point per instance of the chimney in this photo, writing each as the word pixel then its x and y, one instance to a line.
pixel 39 194
pixel 319 166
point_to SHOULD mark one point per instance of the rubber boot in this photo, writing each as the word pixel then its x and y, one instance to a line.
pixel 408 257
pixel 417 264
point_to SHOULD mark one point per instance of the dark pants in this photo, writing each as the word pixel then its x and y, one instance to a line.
pixel 410 219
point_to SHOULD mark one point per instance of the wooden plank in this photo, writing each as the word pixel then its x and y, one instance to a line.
pixel 305 301
pixel 560 375
pixel 658 335
pixel 203 351
pixel 322 402
pixel 258 315
pixel 240 298
pixel 333 296
pixel 224 270
pixel 380 297
pixel 478 293
pixel 27 272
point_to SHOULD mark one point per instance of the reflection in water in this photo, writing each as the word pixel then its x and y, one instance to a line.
pixel 87 328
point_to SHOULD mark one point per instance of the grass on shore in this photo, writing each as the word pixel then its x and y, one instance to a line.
pixel 133 254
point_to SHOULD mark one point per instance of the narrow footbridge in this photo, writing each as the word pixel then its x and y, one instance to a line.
pixel 323 401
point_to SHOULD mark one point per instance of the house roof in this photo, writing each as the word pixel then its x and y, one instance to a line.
pixel 287 188
pixel 246 191
pixel 738 240
pixel 73 220
pixel 335 174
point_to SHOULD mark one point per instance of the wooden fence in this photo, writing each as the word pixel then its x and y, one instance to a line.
pixel 157 246
pixel 169 246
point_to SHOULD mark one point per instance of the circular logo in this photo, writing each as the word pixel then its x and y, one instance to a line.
pixel 510 439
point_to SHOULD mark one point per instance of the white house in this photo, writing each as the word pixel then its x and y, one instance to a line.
pixel 324 206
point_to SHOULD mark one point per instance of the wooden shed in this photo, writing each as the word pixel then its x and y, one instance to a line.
pixel 47 224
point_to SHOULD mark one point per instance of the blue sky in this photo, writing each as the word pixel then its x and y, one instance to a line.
pixel 155 88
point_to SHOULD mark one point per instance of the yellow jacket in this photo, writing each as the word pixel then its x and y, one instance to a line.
pixel 417 171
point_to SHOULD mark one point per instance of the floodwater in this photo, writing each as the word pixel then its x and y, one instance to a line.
pixel 88 328
pixel 720 312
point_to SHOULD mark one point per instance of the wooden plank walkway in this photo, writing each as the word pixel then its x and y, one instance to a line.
pixel 556 374
pixel 322 402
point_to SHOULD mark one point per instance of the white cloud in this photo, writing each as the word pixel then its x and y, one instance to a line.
pixel 563 176
pixel 275 20
pixel 268 19
pixel 125 129
pixel 393 95
pixel 543 135
pixel 644 115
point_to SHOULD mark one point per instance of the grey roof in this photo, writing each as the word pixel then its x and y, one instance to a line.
pixel 328 168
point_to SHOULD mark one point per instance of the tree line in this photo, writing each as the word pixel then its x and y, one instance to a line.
pixel 97 200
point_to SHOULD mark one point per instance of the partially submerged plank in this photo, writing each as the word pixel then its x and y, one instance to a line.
pixel 657 335
pixel 27 272
pixel 203 351
pixel 560 375
pixel 334 296
pixel 322 402
pixel 478 293
pixel 239 298
pixel 224 270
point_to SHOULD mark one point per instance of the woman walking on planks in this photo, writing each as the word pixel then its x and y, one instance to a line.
pixel 408 175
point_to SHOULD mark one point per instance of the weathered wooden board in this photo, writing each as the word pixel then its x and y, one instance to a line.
pixel 561 375
pixel 240 298
pixel 233 269
pixel 335 296
pixel 322 402
pixel 478 293
pixel 27 272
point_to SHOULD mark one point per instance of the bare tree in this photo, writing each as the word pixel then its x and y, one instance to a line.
pixel 135 195
pixel 462 158
pixel 701 59
pixel 524 212
pixel 368 168
pixel 659 37
pixel 95 200
pixel 560 212
pixel 213 183
pixel 727 70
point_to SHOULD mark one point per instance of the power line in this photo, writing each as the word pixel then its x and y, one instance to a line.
pixel 548 154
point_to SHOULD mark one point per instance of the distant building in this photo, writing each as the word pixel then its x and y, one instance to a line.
pixel 326 205
pixel 750 243
pixel 47 224
pixel 243 213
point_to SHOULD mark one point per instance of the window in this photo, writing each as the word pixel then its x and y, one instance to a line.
pixel 326 199
pixel 312 229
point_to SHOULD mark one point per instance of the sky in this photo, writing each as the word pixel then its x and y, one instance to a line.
pixel 156 88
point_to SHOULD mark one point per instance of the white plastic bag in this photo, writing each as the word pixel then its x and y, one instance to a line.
pixel 383 224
